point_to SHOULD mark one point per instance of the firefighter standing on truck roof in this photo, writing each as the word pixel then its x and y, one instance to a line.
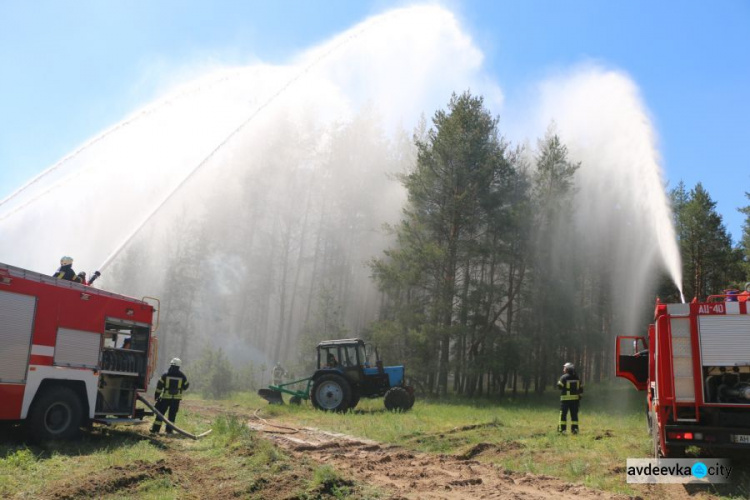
pixel 571 388
pixel 66 269
pixel 169 393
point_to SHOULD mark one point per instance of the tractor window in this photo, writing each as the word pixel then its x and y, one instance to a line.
pixel 329 357
pixel 350 355
pixel 363 355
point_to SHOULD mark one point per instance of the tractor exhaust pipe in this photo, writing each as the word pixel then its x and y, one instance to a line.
pixel 184 433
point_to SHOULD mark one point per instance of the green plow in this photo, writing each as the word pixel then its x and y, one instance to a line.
pixel 274 392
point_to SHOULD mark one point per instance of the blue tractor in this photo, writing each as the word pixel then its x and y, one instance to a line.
pixel 348 369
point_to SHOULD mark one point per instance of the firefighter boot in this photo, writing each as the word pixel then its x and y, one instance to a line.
pixel 562 425
pixel 574 417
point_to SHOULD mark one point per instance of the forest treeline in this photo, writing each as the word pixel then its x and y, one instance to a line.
pixel 455 251
pixel 489 289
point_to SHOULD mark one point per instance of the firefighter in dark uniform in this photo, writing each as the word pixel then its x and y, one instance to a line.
pixel 66 270
pixel 571 390
pixel 169 393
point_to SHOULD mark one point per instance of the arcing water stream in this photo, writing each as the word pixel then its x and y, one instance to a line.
pixel 235 153
pixel 621 204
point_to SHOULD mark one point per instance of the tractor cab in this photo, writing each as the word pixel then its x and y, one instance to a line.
pixel 360 365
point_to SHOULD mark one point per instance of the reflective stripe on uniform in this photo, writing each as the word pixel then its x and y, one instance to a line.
pixel 165 386
pixel 168 386
pixel 572 397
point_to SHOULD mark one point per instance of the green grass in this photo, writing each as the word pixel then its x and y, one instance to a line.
pixel 231 461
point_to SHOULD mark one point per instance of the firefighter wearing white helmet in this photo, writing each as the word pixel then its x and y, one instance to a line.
pixel 169 394
pixel 571 389
pixel 66 269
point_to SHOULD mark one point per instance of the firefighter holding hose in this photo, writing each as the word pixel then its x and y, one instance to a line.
pixel 169 393
pixel 571 390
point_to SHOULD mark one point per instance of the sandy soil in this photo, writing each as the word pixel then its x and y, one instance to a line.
pixel 407 474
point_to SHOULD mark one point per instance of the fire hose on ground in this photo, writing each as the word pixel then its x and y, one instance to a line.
pixel 161 415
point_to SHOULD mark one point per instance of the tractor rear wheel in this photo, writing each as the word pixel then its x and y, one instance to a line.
pixel 412 397
pixel 397 398
pixel 331 392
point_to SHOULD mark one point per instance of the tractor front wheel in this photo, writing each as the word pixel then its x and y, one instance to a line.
pixel 397 398
pixel 355 400
pixel 331 392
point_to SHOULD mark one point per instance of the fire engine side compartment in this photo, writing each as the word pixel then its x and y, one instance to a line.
pixel 16 327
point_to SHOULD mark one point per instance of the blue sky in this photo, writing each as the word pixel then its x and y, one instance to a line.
pixel 71 69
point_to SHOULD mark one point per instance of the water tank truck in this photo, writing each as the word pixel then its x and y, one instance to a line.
pixel 694 366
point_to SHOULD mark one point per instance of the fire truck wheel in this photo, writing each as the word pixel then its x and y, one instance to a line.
pixel 331 392
pixel 56 414
pixel 397 399
pixel 655 437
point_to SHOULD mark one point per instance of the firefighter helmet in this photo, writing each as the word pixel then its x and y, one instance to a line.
pixel 65 260
pixel 176 362
pixel 569 367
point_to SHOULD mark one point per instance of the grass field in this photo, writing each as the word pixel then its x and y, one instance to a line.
pixel 518 435
pixel 122 463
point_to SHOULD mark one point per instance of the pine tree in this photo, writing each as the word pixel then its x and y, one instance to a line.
pixel 709 262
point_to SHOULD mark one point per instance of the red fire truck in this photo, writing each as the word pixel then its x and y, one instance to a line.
pixel 65 359
pixel 695 368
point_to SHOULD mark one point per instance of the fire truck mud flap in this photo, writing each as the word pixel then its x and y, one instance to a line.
pixel 184 433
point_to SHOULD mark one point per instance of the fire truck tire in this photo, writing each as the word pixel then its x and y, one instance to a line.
pixel 56 414
pixel 658 452
pixel 397 398
pixel 331 392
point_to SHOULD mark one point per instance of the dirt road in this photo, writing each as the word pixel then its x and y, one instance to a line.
pixel 407 474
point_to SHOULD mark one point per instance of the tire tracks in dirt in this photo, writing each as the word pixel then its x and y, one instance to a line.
pixel 411 475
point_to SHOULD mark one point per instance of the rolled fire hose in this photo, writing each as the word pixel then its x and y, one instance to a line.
pixel 184 433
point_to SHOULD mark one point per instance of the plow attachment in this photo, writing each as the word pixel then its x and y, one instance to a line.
pixel 273 393
pixel 272 396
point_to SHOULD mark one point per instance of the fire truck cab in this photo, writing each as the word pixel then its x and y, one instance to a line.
pixel 70 354
pixel 695 368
